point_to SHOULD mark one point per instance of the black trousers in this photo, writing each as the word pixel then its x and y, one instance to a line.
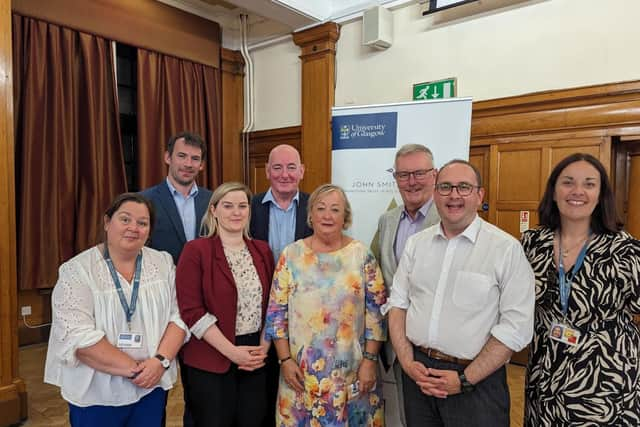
pixel 487 406
pixel 187 420
pixel 273 377
pixel 235 398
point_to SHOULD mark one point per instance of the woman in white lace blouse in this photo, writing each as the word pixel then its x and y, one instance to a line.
pixel 116 325
pixel 223 283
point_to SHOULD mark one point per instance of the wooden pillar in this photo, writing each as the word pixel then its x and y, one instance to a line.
pixel 318 55
pixel 633 211
pixel 233 156
pixel 13 395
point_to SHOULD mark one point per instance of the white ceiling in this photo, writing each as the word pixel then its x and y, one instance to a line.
pixel 270 19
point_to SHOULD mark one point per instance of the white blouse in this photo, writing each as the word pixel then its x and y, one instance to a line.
pixel 86 307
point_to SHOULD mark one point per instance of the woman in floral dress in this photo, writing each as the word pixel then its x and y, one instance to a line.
pixel 324 318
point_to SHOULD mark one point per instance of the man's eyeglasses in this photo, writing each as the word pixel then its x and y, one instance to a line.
pixel 418 175
pixel 446 188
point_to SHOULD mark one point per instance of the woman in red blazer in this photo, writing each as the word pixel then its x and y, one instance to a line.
pixel 222 283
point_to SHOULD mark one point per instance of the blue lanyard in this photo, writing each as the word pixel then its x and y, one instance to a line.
pixel 128 309
pixel 566 279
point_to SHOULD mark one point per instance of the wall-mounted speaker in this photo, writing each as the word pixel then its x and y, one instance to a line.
pixel 377 27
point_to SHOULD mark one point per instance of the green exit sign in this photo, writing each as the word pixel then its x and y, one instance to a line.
pixel 435 90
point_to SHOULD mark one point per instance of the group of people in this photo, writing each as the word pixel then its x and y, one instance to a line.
pixel 278 317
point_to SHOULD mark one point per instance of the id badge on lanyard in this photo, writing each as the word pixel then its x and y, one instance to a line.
pixel 562 331
pixel 126 339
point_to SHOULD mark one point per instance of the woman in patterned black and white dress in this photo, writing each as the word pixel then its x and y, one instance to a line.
pixel 589 374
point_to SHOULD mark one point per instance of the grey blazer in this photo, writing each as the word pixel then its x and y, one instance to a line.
pixel 383 250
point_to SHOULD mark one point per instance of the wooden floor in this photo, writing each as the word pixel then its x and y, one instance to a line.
pixel 46 407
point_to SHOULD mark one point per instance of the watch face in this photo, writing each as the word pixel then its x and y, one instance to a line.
pixel 166 363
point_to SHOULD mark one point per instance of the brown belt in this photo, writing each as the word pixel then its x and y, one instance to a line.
pixel 438 355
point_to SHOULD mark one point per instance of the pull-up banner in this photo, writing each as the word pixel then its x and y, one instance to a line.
pixel 366 138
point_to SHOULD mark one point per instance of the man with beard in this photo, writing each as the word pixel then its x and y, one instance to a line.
pixel 179 206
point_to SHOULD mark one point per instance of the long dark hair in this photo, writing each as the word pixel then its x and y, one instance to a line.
pixel 603 219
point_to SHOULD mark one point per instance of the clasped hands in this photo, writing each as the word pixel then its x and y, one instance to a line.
pixel 249 357
pixel 438 383
pixel 146 373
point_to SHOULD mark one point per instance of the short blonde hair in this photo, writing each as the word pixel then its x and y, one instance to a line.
pixel 323 190
pixel 209 226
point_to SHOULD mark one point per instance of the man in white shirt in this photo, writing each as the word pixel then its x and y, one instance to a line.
pixel 462 302
pixel 415 176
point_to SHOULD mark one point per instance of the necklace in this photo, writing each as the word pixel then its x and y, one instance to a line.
pixel 567 251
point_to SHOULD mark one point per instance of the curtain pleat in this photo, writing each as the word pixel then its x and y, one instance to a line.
pixel 176 95
pixel 69 162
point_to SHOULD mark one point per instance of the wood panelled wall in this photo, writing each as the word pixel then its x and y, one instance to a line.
pixel 522 138
pixel 525 136
pixel 232 115
pixel 13 396
pixel 148 24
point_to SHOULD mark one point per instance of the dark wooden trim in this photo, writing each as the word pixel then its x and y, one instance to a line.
pixel 318 56
pixel 263 141
pixel 611 109
pixel 13 396
pixel 231 61
pixel 323 37
pixel 232 76
pixel 540 100
pixel 147 24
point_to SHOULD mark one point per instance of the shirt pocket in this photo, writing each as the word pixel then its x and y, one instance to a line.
pixel 471 290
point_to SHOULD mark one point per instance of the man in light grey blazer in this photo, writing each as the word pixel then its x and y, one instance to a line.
pixel 415 176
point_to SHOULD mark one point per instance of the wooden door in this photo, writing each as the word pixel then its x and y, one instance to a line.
pixel 519 173
pixel 479 157
pixel 518 177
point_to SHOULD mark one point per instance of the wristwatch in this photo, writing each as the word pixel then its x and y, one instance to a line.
pixel 370 356
pixel 284 359
pixel 465 385
pixel 163 361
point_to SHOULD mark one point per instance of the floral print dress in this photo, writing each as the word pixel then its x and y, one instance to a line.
pixel 327 305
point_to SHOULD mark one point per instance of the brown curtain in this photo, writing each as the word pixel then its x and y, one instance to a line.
pixel 69 162
pixel 176 95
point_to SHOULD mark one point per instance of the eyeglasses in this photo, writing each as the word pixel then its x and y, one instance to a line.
pixel 418 175
pixel 446 188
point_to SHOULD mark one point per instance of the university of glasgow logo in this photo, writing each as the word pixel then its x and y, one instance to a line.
pixel 363 131
pixel 344 132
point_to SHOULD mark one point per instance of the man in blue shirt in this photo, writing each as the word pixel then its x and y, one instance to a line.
pixel 179 204
pixel 279 216
pixel 178 201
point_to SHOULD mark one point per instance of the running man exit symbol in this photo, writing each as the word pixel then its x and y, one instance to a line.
pixel 434 90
